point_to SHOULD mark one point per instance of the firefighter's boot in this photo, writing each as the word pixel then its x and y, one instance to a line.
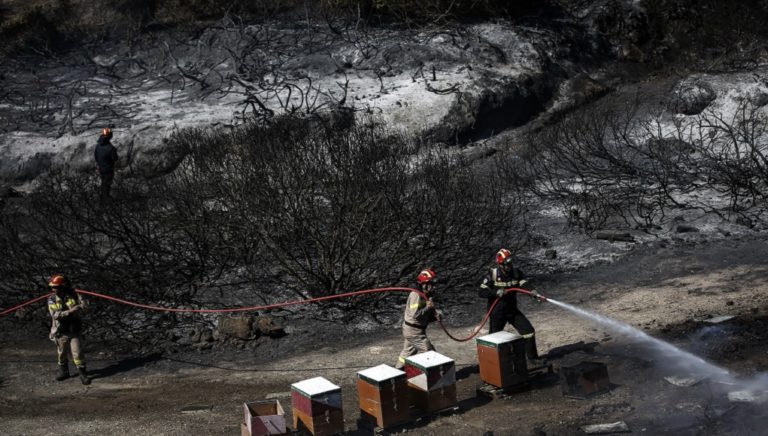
pixel 63 372
pixel 83 375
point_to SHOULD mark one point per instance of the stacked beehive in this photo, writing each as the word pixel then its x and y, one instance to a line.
pixel 317 407
pixel 502 358
pixel 383 396
pixel 431 381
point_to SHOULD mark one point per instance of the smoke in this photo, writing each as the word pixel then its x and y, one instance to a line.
pixel 750 389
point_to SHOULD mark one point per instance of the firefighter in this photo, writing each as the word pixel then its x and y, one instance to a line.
pixel 500 277
pixel 65 307
pixel 106 157
pixel 418 314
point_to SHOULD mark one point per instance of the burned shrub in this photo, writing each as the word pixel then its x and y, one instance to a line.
pixel 260 215
pixel 341 210
pixel 603 166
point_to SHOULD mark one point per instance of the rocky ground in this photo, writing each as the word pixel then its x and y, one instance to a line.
pixel 668 291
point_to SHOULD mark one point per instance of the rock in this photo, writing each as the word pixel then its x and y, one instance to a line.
pixel 613 236
pixel 194 336
pixel 691 97
pixel 196 408
pixel 758 97
pixel 238 327
pixel 684 228
pixel 550 254
pixel 720 319
pixel 614 427
pixel 744 221
pixel 747 396
pixel 268 327
pixel 683 381
pixel 206 335
pixel 278 395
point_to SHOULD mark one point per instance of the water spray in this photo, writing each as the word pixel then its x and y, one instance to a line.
pixel 754 389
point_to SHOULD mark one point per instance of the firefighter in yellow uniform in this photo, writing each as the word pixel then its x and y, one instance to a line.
pixel 419 312
pixel 65 307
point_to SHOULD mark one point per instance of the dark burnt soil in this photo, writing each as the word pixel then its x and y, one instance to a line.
pixel 668 292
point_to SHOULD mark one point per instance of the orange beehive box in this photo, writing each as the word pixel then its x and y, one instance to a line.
pixel 431 381
pixel 502 358
pixel 432 401
pixel 329 423
pixel 317 406
pixel 264 418
pixel 383 396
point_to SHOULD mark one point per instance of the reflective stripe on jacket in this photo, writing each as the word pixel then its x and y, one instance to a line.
pixel 71 324
pixel 417 313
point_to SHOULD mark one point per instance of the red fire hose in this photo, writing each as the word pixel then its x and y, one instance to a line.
pixel 274 306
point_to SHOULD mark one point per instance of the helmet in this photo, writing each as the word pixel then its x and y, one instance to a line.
pixel 426 276
pixel 106 132
pixel 503 257
pixel 57 281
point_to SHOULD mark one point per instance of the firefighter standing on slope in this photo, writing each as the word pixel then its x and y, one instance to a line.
pixel 418 314
pixel 105 155
pixel 500 277
pixel 65 307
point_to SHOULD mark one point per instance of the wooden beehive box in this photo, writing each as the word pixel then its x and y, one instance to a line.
pixel 317 407
pixel 383 396
pixel 502 358
pixel 431 381
pixel 264 418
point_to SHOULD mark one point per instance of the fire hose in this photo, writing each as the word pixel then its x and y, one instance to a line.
pixel 283 304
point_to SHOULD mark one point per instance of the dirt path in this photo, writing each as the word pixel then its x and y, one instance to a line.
pixel 664 291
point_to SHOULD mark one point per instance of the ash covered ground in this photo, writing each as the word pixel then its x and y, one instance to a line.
pixel 668 263
pixel 668 292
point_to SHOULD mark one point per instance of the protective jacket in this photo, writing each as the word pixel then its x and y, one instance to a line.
pixel 496 279
pixel 417 313
pixel 105 155
pixel 65 314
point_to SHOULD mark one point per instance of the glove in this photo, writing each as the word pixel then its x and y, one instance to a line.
pixel 439 315
pixel 500 293
pixel 522 283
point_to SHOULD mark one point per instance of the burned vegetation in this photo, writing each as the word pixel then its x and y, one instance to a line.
pixel 285 210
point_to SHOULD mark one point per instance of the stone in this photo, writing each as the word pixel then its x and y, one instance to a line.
pixel 268 327
pixel 206 335
pixel 684 228
pixel 614 427
pixel 237 327
pixel 691 96
pixel 719 319
pixel 550 254
pixel 744 221
pixel 683 381
pixel 613 236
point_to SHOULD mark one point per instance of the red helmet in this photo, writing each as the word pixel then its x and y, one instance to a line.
pixel 426 276
pixel 503 257
pixel 57 281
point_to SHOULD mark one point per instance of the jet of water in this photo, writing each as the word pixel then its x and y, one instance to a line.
pixel 754 389
pixel 673 356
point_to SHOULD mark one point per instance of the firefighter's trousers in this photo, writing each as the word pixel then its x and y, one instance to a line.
pixel 521 324
pixel 415 340
pixel 73 343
